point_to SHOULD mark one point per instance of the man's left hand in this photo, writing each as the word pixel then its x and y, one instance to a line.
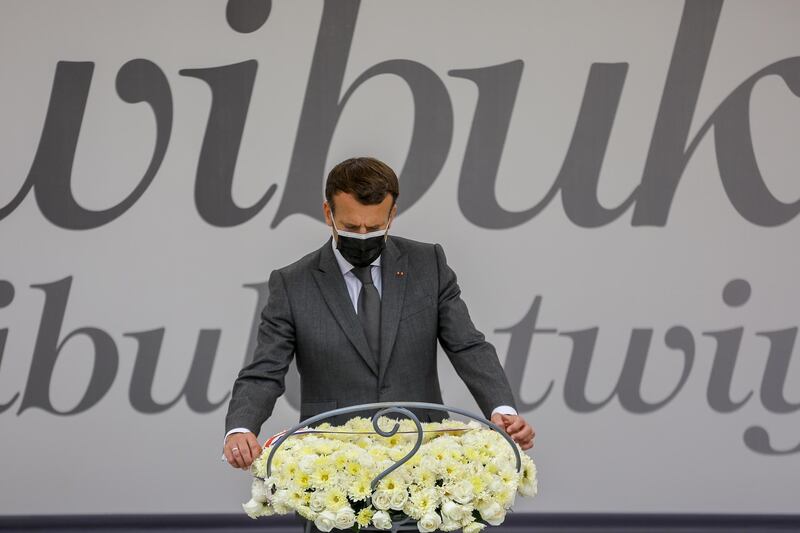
pixel 517 428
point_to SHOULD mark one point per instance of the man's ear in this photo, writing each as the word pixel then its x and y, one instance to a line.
pixel 326 209
pixel 392 214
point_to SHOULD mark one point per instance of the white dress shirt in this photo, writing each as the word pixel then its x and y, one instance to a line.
pixel 353 288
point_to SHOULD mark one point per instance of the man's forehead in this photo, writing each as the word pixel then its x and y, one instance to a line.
pixel 367 219
pixel 348 208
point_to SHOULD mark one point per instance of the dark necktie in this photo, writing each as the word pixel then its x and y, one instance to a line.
pixel 369 309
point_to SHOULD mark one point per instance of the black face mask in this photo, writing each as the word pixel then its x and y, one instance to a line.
pixel 361 249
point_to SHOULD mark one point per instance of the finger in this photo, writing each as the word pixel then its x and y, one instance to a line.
pixel 502 422
pixel 529 442
pixel 499 420
pixel 255 448
pixel 523 442
pixel 237 453
pixel 244 449
pixel 229 456
pixel 238 462
pixel 516 425
pixel 523 434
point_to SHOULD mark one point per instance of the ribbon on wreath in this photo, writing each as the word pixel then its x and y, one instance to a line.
pixel 307 430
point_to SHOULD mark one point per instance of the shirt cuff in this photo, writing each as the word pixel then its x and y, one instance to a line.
pixel 504 410
pixel 231 432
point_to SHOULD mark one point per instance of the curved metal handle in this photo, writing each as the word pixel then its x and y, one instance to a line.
pixel 395 407
pixel 382 433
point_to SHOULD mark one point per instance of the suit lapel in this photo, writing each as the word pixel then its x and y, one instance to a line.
pixel 334 291
pixel 393 290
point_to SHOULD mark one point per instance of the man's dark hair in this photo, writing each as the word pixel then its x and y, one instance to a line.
pixel 366 178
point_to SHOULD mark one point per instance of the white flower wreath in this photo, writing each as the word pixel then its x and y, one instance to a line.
pixel 462 476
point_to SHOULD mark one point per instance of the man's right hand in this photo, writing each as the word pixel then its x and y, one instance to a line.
pixel 241 449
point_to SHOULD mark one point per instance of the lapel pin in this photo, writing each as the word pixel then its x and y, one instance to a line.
pixel 399 274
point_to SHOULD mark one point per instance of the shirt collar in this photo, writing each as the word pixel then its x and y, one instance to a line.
pixel 344 264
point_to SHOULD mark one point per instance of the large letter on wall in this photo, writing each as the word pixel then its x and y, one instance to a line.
pixel 50 176
pixel 433 117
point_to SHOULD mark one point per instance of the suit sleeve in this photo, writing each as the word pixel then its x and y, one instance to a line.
pixel 474 359
pixel 261 382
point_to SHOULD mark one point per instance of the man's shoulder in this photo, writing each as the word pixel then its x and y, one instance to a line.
pixel 411 246
pixel 420 252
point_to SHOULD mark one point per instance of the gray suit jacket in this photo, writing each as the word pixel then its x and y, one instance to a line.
pixel 309 315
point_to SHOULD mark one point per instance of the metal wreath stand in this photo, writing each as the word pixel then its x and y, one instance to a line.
pixel 407 524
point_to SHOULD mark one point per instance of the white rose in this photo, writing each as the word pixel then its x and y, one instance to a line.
pixel 493 513
pixel 325 521
pixel 381 499
pixel 253 508
pixel 345 518
pixel 281 507
pixel 448 524
pixel 281 497
pixel 462 491
pixel 429 463
pixel 317 502
pixel 452 510
pixel 474 527
pixel 528 485
pixel 398 499
pixel 306 463
pixel 258 490
pixel 429 522
pixel 382 520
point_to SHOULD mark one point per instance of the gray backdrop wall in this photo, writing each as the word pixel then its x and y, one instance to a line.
pixel 614 182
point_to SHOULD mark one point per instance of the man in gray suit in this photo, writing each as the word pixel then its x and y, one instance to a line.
pixel 363 315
